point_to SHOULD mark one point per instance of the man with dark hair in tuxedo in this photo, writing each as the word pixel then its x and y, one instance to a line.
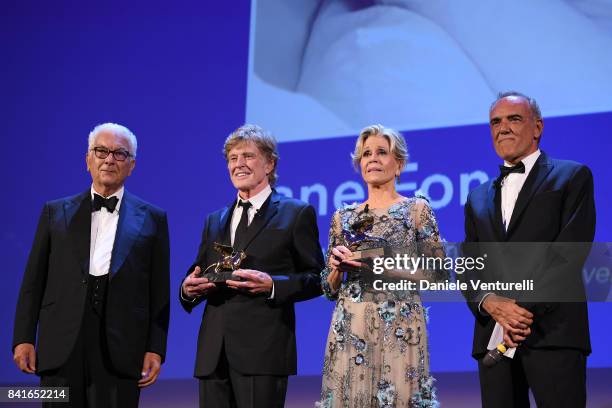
pixel 97 286
pixel 536 199
pixel 246 345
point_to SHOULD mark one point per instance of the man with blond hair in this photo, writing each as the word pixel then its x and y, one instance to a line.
pixel 246 344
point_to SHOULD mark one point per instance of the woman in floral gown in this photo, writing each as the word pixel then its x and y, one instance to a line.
pixel 376 351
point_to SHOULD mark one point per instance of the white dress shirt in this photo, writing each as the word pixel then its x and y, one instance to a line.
pixel 256 202
pixel 103 231
pixel 511 187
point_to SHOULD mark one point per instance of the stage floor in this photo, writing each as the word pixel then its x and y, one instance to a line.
pixel 455 390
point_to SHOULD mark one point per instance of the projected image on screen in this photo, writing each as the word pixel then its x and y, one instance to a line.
pixel 325 68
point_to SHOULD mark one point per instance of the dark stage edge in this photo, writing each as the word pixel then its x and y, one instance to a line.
pixel 455 390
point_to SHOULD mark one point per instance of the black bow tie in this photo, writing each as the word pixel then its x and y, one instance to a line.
pixel 109 203
pixel 504 171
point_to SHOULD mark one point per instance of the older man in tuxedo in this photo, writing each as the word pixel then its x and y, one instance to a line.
pixel 96 285
pixel 536 199
pixel 246 345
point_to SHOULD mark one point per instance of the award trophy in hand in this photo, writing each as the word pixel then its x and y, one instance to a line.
pixel 221 271
pixel 364 247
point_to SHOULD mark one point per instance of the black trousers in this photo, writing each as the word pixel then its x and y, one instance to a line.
pixel 88 371
pixel 556 377
pixel 227 388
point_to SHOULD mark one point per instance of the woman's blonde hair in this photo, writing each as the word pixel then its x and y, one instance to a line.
pixel 397 144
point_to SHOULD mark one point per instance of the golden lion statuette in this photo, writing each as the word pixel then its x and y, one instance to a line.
pixel 357 238
pixel 221 271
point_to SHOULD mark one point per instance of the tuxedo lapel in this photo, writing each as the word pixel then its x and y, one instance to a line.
pixel 537 175
pixel 223 232
pixel 494 208
pixel 131 218
pixel 77 213
pixel 261 219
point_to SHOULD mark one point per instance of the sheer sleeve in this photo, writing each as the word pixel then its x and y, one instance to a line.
pixel 334 240
pixel 423 246
pixel 429 244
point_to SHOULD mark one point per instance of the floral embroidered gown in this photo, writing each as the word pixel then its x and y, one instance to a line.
pixel 376 351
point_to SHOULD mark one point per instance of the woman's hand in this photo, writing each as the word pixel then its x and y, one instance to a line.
pixel 339 263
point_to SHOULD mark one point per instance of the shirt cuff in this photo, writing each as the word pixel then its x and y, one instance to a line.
pixel 271 293
pixel 480 309
pixel 185 298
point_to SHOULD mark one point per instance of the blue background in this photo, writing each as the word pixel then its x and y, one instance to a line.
pixel 176 76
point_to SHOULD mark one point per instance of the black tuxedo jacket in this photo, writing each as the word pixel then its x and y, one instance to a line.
pixel 54 287
pixel 258 334
pixel 555 204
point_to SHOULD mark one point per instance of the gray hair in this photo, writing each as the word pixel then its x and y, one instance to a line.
pixel 117 130
pixel 533 105
pixel 264 141
pixel 397 143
